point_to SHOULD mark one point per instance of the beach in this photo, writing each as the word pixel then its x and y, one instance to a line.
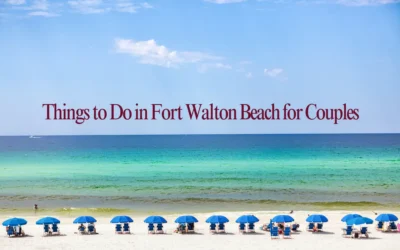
pixel 330 238
pixel 232 175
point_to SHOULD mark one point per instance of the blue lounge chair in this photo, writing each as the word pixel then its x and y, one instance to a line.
pixel 212 228
pixel 151 228
pixel 364 231
pixel 190 227
pixel 380 225
pixel 81 230
pixel 295 227
pixel 55 229
pixel 251 228
pixel 221 228
pixel 126 228
pixel 348 232
pixel 319 226
pixel 286 232
pixel 160 228
pixel 274 233
pixel 10 231
pixel 46 229
pixel 242 227
pixel 393 226
pixel 118 229
pixel 91 229
pixel 310 226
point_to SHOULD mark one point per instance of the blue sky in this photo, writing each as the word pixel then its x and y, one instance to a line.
pixel 91 52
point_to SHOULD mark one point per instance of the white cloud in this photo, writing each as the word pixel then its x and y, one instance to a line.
pixel 146 5
pixel 224 1
pixel 88 6
pixel 42 13
pixel 39 5
pixel 365 2
pixel 149 52
pixel 126 6
pixel 275 72
pixel 249 75
pixel 15 2
pixel 207 66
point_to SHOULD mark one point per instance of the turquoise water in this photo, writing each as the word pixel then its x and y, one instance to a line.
pixel 201 172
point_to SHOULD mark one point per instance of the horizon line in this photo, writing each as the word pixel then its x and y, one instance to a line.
pixel 53 135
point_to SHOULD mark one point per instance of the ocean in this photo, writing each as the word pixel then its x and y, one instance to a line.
pixel 200 173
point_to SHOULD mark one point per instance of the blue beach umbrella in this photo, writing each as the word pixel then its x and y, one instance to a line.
pixel 14 222
pixel 217 219
pixel 317 218
pixel 155 220
pixel 84 219
pixel 247 219
pixel 121 219
pixel 48 221
pixel 282 219
pixel 359 221
pixel 350 216
pixel 386 217
pixel 186 219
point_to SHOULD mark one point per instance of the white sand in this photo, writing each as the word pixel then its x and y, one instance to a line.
pixel 139 239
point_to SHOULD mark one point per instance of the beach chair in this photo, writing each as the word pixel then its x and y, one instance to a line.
pixel 295 227
pixel 213 228
pixel 250 229
pixel 242 228
pixel 126 228
pixel 81 230
pixel 55 229
pixel 160 229
pixel 10 231
pixel 151 229
pixel 221 228
pixel 393 227
pixel 190 227
pixel 287 233
pixel 319 226
pixel 364 231
pixel 310 227
pixel 46 230
pixel 348 232
pixel 274 233
pixel 118 229
pixel 379 226
pixel 91 229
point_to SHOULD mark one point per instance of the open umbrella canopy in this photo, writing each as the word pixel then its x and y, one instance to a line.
pixel 15 222
pixel 317 218
pixel 350 216
pixel 186 219
pixel 247 219
pixel 359 221
pixel 282 219
pixel 386 217
pixel 47 221
pixel 121 219
pixel 217 219
pixel 84 219
pixel 155 220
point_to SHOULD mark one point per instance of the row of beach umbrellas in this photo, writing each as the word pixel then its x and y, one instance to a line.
pixel 350 219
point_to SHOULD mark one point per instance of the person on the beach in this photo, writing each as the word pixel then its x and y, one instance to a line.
pixel 81 227
pixel 35 208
